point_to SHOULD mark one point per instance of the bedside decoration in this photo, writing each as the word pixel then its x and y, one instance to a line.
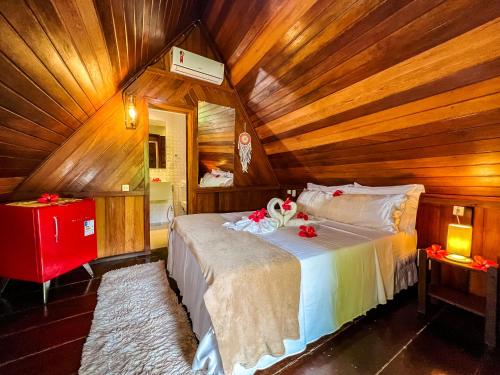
pixel 483 264
pixel 459 243
pixel 245 149
pixel 48 198
pixel 156 179
pixel 435 251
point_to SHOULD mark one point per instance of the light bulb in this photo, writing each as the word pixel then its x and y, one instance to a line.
pixel 131 112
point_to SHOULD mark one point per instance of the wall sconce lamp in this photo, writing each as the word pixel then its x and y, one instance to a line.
pixel 459 243
pixel 130 112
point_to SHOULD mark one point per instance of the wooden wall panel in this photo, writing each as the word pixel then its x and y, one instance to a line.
pixel 157 84
pixel 61 60
pixel 99 157
pixel 120 225
pixel 381 92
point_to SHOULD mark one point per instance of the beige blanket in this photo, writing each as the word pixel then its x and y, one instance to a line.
pixel 253 289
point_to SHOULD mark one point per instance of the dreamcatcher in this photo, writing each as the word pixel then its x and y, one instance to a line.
pixel 245 149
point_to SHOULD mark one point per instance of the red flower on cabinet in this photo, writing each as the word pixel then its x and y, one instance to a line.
pixel 48 198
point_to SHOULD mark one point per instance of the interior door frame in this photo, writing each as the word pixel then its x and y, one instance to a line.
pixel 191 155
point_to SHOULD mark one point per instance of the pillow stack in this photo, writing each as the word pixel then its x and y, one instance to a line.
pixel 388 208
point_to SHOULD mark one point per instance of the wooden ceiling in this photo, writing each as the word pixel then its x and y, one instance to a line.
pixel 61 60
pixel 378 91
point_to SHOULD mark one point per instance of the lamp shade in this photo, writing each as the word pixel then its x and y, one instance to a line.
pixel 459 239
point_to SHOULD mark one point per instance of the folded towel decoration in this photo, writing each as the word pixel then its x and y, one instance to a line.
pixel 259 223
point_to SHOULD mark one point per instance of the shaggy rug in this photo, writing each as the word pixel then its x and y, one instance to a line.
pixel 138 327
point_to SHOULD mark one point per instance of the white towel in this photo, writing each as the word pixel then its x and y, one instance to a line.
pixel 264 226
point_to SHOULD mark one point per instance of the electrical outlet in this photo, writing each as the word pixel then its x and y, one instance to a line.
pixel 289 192
pixel 125 187
pixel 294 193
pixel 458 210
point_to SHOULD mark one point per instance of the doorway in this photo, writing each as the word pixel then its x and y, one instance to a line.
pixel 167 172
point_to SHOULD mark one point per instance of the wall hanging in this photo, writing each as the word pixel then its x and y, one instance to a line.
pixel 245 149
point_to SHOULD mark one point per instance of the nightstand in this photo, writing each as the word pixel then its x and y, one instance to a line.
pixel 482 306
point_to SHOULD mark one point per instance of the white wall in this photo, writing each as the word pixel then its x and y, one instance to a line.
pixel 175 128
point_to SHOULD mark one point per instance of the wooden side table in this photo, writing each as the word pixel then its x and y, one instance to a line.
pixel 482 306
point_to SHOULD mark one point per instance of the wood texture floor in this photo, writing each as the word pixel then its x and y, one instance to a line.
pixel 391 340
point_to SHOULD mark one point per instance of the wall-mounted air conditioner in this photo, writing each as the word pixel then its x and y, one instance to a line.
pixel 196 66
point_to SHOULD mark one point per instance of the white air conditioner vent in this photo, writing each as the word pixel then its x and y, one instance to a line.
pixel 196 66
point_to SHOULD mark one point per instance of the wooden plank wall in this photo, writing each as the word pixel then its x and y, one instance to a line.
pixel 102 155
pixel 62 60
pixel 378 91
pixel 120 225
pixel 94 162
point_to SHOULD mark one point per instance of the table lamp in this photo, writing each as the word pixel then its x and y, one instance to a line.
pixel 459 243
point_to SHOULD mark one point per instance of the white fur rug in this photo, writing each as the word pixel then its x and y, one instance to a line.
pixel 138 327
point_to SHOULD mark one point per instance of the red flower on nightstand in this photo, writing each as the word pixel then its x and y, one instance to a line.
pixel 483 264
pixel 435 251
pixel 302 215
pixel 307 231
pixel 48 198
pixel 287 204
pixel 337 193
pixel 258 215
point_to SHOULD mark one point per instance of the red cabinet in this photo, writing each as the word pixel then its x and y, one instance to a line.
pixel 40 242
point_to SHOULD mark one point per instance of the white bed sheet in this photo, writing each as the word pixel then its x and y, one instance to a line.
pixel 318 282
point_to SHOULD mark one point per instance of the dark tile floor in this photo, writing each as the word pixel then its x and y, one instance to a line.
pixel 392 339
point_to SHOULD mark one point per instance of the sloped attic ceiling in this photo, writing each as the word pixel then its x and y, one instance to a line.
pixel 377 91
pixel 61 60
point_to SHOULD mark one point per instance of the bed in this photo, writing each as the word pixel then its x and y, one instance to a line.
pixel 344 272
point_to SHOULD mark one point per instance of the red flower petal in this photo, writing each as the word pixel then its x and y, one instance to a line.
pixel 338 193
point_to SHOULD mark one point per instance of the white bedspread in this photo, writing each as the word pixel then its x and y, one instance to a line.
pixel 318 312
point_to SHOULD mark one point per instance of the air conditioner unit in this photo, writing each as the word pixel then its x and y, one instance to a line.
pixel 196 66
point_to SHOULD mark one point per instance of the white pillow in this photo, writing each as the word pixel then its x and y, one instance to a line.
pixel 311 186
pixel 413 191
pixel 381 212
pixel 211 180
pixel 310 201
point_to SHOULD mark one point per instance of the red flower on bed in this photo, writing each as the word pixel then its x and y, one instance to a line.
pixel 483 264
pixel 287 204
pixel 48 198
pixel 302 215
pixel 156 179
pixel 337 193
pixel 307 231
pixel 436 251
pixel 258 215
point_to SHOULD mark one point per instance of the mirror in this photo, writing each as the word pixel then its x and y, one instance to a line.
pixel 216 125
pixel 156 144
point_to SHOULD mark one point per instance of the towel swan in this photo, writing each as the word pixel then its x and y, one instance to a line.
pixel 285 217
pixel 271 210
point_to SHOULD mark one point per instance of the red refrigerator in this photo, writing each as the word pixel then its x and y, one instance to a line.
pixel 42 241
